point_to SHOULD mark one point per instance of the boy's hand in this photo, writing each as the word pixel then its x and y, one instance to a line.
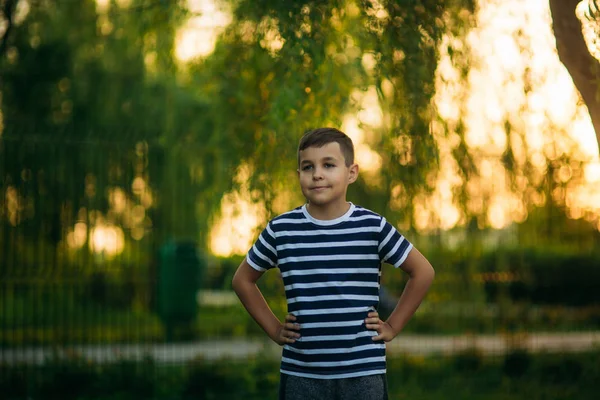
pixel 386 333
pixel 288 332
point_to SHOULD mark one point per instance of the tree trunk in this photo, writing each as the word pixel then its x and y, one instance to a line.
pixel 574 54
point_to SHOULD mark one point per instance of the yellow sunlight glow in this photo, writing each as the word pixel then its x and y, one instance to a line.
pixel 198 36
pixel 235 229
pixel 590 28
pixel 103 5
pixel 369 116
pixel 272 40
pixel 104 233
pixel 548 115
pixel 107 240
pixel 367 159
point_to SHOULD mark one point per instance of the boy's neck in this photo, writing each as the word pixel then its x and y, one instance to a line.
pixel 328 212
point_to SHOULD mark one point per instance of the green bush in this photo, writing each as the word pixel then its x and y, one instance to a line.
pixel 13 383
pixel 126 379
pixel 516 363
pixel 517 375
pixel 565 370
pixel 470 360
pixel 544 276
pixel 63 380
pixel 108 291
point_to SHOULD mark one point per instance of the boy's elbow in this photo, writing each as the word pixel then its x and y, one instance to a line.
pixel 244 278
pixel 428 271
pixel 239 281
pixel 235 283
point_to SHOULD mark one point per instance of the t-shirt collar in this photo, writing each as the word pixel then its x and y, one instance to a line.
pixel 328 222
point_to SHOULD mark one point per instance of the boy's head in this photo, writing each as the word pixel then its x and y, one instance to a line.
pixel 326 168
pixel 322 136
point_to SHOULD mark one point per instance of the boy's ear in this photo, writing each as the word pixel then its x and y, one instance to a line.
pixel 353 173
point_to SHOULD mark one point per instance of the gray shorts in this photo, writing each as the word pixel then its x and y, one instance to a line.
pixel 372 387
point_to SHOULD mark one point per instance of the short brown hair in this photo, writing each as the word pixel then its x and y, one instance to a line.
pixel 321 136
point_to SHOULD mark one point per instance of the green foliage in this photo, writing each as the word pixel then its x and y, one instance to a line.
pixel 14 383
pixel 125 379
pixel 227 380
pixel 544 276
pixel 468 361
pixel 92 90
pixel 64 379
pixel 278 69
pixel 111 78
pixel 516 363
pixel 546 376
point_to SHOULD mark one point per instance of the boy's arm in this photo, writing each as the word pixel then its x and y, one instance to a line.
pixel 244 285
pixel 421 276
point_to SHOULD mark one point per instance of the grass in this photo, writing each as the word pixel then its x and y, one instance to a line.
pixel 468 376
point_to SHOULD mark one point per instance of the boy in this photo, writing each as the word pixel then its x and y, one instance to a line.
pixel 329 253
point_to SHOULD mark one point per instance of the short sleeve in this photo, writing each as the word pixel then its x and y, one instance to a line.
pixel 263 254
pixel 393 247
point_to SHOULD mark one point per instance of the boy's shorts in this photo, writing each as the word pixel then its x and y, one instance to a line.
pixel 372 387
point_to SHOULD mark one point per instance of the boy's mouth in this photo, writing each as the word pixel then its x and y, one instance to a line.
pixel 319 188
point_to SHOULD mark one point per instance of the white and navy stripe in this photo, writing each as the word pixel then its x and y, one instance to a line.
pixel 331 272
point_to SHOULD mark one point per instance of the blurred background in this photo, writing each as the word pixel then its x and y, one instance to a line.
pixel 144 144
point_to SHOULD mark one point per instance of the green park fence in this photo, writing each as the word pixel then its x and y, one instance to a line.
pixel 87 256
pixel 87 259
pixel 82 246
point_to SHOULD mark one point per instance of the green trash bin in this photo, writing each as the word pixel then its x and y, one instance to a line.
pixel 180 272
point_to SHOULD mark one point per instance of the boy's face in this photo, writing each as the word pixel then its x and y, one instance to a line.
pixel 324 176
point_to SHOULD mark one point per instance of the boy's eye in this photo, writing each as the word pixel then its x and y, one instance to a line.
pixel 306 167
pixel 328 165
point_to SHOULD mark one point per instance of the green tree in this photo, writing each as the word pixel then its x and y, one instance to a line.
pixel 78 104
pixel 72 72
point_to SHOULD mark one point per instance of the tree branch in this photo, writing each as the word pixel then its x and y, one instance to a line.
pixel 575 56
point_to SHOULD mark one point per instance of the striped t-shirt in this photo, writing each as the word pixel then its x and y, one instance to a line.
pixel 331 271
